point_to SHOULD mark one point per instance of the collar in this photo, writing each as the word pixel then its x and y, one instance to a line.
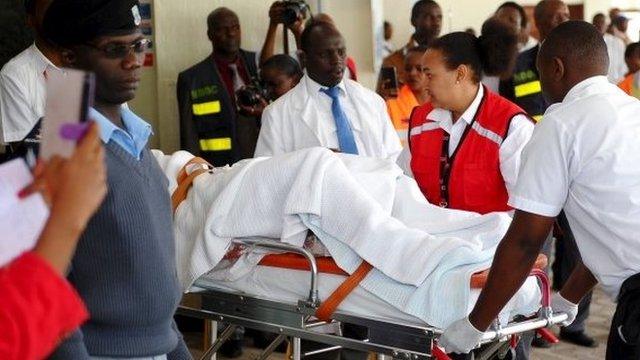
pixel 222 62
pixel 42 62
pixel 442 115
pixel 138 129
pixel 314 88
pixel 582 87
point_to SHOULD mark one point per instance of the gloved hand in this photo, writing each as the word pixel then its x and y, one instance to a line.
pixel 560 304
pixel 460 337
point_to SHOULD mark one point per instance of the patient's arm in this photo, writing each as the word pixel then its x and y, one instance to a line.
pixel 513 261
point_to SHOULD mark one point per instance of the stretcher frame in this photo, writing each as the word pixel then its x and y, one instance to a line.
pixel 399 340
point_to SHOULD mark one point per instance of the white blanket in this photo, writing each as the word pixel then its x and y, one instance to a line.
pixel 360 208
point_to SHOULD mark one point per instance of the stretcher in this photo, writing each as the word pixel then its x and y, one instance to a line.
pixel 393 334
pixel 399 338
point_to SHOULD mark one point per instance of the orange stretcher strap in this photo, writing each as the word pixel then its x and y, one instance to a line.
pixel 330 305
pixel 479 279
pixel 327 265
pixel 182 174
pixel 292 261
pixel 186 181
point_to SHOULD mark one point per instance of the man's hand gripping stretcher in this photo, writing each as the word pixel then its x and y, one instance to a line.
pixel 362 210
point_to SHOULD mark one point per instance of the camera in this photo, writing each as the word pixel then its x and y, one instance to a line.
pixel 293 9
pixel 251 94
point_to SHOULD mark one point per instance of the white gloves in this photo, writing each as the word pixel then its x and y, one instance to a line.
pixel 560 304
pixel 460 337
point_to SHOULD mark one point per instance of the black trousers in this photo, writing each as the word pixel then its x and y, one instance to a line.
pixel 567 256
pixel 624 336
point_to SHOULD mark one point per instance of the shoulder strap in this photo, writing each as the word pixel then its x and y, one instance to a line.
pixel 186 181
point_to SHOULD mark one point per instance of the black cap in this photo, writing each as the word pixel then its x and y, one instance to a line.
pixel 30 6
pixel 69 22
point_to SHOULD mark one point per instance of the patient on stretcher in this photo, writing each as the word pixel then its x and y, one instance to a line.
pixel 359 208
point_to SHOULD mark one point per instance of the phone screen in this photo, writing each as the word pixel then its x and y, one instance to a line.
pixel 69 95
pixel 389 79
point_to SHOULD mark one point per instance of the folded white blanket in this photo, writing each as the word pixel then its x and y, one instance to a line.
pixel 360 208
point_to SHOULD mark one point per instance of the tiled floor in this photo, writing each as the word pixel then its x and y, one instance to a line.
pixel 602 310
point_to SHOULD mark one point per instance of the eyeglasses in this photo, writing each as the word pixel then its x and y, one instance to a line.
pixel 119 50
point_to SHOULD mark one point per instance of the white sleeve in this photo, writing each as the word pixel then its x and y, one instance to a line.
pixel 390 138
pixel 518 136
pixel 544 177
pixel 404 161
pixel 270 137
pixel 17 117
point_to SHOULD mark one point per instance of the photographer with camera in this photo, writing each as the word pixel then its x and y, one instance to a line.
pixel 219 112
pixel 290 14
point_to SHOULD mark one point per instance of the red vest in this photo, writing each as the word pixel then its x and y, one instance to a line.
pixel 469 179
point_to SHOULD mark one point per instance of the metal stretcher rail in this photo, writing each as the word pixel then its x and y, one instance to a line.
pixel 397 339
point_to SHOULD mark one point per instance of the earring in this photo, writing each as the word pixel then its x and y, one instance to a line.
pixel 457 82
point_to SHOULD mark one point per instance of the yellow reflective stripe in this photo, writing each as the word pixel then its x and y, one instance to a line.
pixel 218 144
pixel 537 118
pixel 211 107
pixel 529 88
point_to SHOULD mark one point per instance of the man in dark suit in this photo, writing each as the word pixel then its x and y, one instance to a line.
pixel 212 124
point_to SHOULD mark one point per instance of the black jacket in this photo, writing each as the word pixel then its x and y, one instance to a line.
pixel 210 126
pixel 523 88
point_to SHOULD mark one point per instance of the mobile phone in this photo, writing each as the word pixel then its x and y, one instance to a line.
pixel 70 94
pixel 389 80
pixel 88 94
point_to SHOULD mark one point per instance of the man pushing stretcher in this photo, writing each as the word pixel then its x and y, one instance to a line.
pixel 583 158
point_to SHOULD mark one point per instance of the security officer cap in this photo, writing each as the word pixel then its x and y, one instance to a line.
pixel 70 22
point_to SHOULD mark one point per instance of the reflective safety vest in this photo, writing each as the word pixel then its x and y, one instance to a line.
pixel 524 88
pixel 631 85
pixel 210 125
pixel 400 109
pixel 469 179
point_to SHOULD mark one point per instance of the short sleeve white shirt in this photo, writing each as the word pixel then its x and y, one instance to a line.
pixel 617 65
pixel 23 93
pixel 584 157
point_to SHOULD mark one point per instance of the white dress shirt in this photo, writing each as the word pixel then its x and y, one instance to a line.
pixel 23 93
pixel 518 135
pixel 617 65
pixel 584 158
pixel 302 118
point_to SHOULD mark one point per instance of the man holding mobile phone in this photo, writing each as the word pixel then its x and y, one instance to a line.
pixel 124 268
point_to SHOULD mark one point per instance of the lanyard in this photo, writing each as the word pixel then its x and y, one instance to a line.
pixel 445 171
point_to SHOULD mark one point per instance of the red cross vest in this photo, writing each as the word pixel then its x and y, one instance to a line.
pixel 470 179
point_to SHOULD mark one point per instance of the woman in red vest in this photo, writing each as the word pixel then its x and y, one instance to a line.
pixel 465 144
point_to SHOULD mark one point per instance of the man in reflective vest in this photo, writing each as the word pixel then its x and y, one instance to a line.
pixel 211 125
pixel 524 87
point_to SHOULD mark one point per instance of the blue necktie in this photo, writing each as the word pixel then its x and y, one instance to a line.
pixel 345 135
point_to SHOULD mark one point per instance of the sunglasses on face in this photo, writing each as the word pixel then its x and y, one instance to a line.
pixel 120 50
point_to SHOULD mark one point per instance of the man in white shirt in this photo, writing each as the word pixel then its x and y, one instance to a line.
pixel 582 158
pixel 617 67
pixel 326 110
pixel 22 83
